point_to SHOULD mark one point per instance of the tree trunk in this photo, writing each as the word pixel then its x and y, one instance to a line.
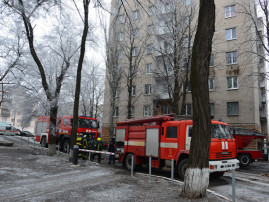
pixel 78 81
pixel 52 129
pixel 197 174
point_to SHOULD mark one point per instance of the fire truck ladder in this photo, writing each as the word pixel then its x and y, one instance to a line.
pixel 150 119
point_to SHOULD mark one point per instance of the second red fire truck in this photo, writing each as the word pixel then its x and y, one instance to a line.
pixel 164 139
pixel 86 126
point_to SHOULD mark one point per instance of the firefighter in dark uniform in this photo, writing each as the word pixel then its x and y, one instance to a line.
pixel 98 146
pixel 111 148
pixel 82 142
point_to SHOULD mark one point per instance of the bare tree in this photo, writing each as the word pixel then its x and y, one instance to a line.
pixel 113 70
pixel 28 11
pixel 175 36
pixel 197 174
pixel 91 91
pixel 133 42
pixel 78 81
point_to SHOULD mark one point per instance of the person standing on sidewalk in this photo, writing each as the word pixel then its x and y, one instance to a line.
pixel 111 148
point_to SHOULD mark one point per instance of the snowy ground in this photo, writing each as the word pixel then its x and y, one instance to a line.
pixel 28 174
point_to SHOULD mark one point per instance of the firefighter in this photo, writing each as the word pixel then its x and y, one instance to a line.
pixel 91 145
pixel 111 148
pixel 98 146
pixel 84 145
pixel 79 143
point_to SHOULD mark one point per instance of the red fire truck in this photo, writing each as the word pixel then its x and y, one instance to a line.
pixel 249 144
pixel 164 139
pixel 86 126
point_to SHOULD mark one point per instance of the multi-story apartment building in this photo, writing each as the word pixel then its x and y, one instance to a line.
pixel 11 113
pixel 152 41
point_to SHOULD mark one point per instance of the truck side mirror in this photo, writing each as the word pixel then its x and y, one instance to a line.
pixel 97 124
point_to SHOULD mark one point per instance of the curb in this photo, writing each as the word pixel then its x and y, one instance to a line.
pixel 8 144
pixel 181 183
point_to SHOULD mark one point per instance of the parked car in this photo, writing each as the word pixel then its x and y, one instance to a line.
pixel 8 130
pixel 26 133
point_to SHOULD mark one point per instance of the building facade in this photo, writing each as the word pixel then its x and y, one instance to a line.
pixel 152 42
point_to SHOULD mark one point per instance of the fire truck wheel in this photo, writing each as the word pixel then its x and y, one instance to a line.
pixel 244 160
pixel 43 142
pixel 65 146
pixel 182 167
pixel 128 161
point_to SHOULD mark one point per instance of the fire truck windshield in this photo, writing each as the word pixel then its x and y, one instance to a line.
pixel 220 131
pixel 87 123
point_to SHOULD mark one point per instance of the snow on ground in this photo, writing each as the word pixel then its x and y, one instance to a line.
pixel 28 174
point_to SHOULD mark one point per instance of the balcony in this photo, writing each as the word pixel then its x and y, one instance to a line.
pixel 5 113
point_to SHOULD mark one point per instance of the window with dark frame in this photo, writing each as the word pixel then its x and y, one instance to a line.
pixel 232 108
pixel 171 132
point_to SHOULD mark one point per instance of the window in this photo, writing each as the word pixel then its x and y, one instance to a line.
pixel 169 67
pixel 187 2
pixel 116 112
pixel 211 84
pixel 232 83
pixel 167 47
pixel 230 11
pixel 133 90
pixel 165 109
pixel 168 26
pixel 212 61
pixel 132 111
pixel 136 15
pixel 120 54
pixel 165 88
pixel 148 89
pixel 121 19
pixel 186 42
pixel 185 64
pixel 188 87
pixel 171 132
pixel 121 2
pixel 134 52
pixel 150 29
pixel 121 36
pixel 147 110
pixel 150 10
pixel 212 110
pixel 65 122
pixel 149 49
pixel 117 92
pixel 188 109
pixel 230 34
pixel 167 7
pixel 232 108
pixel 231 57
pixel 135 33
pixel 149 68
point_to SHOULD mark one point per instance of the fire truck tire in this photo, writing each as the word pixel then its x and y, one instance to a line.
pixel 65 145
pixel 216 175
pixel 181 168
pixel 128 162
pixel 43 142
pixel 244 160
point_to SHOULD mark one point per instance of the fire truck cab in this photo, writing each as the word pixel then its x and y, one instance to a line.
pixel 86 126
pixel 164 139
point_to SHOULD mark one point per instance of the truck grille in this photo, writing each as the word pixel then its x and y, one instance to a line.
pixel 223 155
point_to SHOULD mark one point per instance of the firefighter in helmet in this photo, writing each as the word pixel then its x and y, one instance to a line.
pixel 98 146
pixel 82 142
